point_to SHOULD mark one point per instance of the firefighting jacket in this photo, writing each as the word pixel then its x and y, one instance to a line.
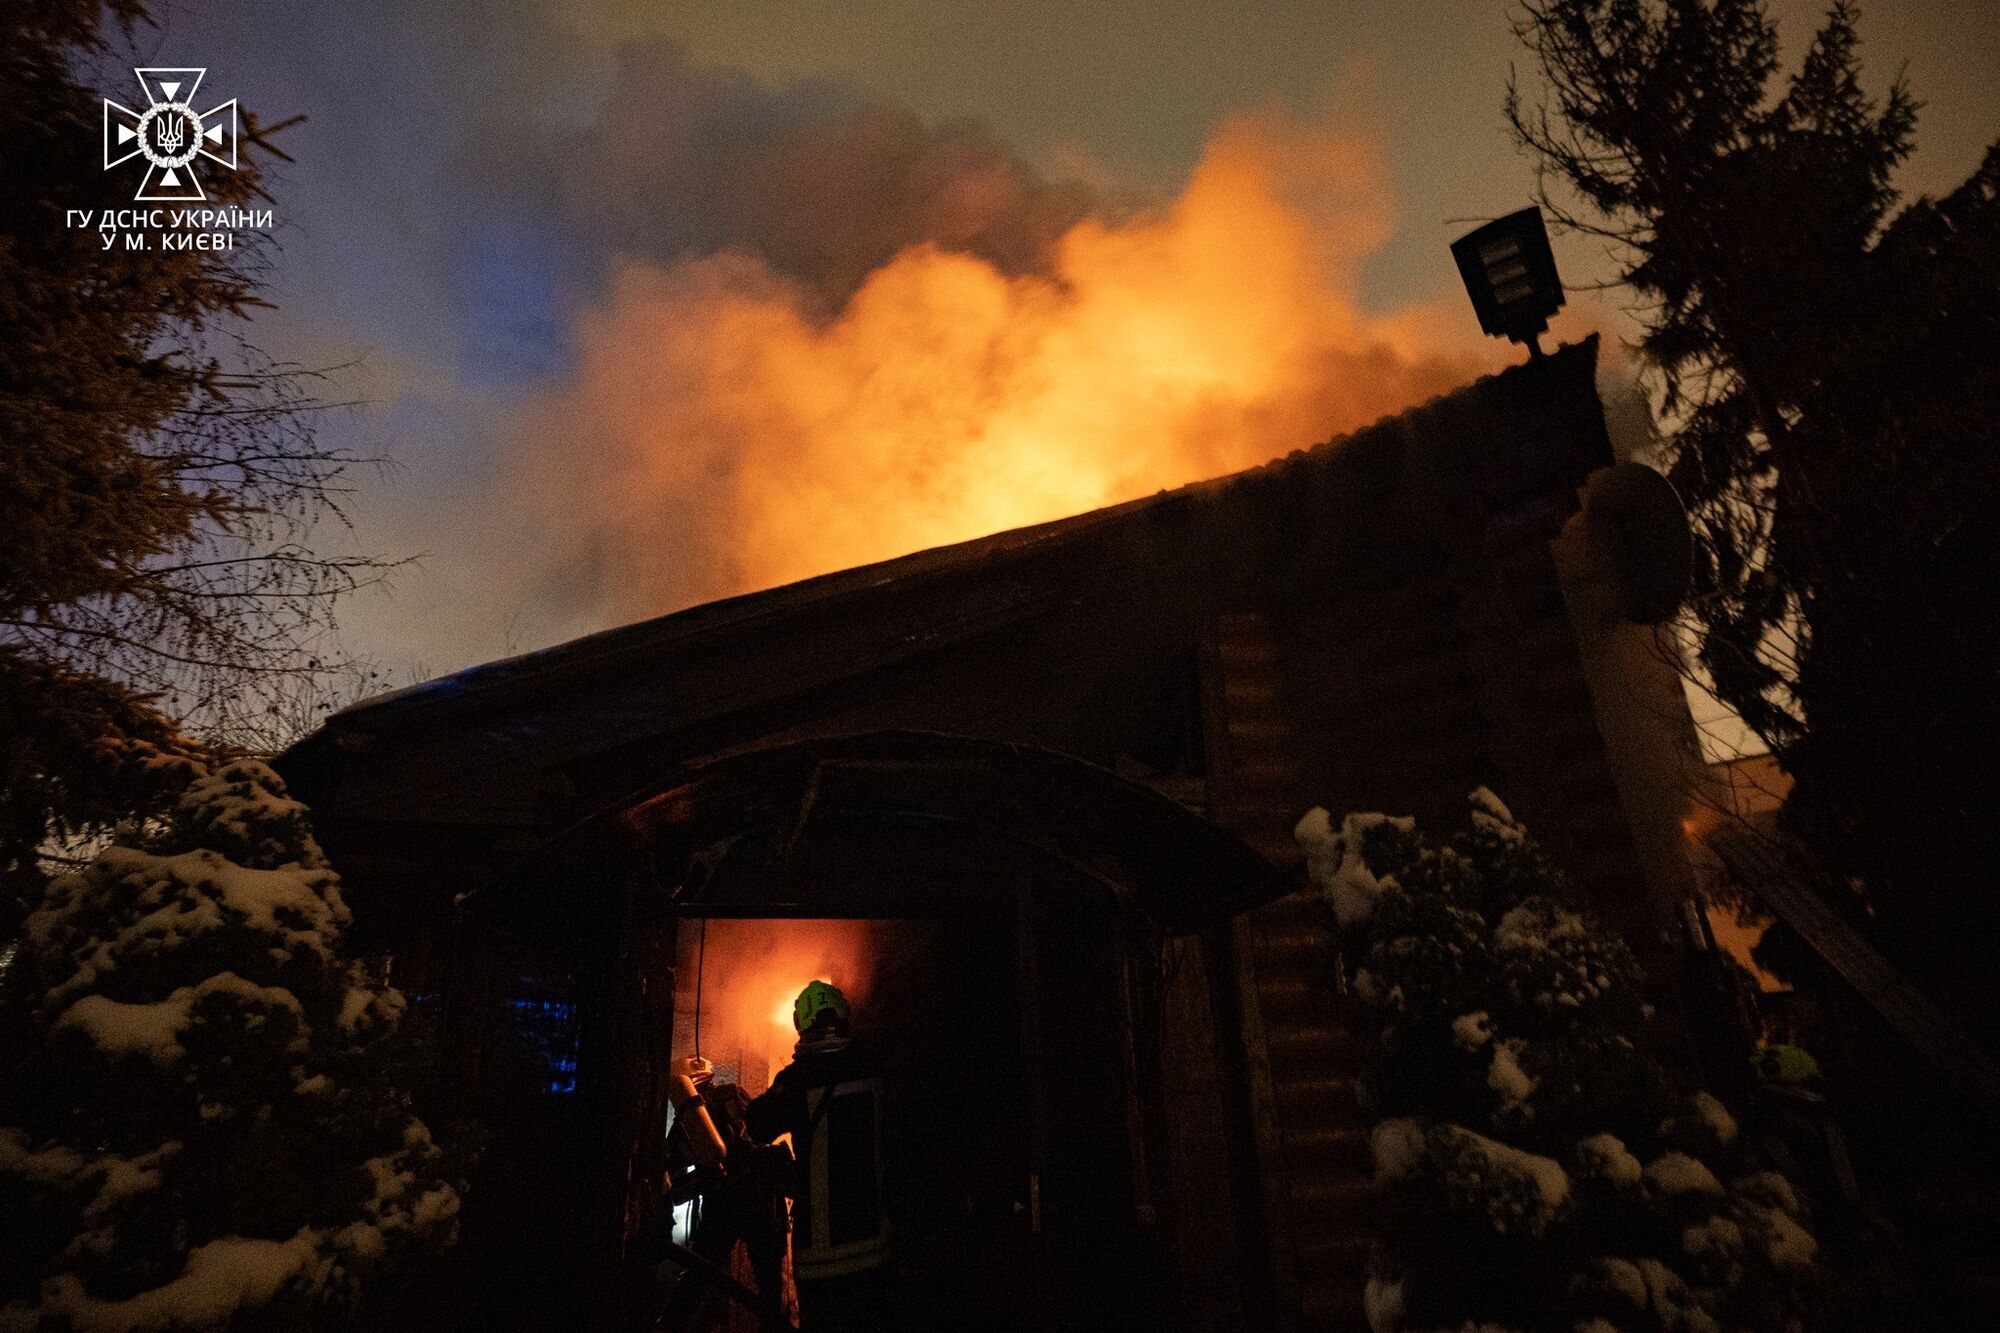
pixel 830 1102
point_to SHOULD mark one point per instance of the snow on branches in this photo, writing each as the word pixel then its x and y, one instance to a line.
pixel 199 1127
pixel 1541 1174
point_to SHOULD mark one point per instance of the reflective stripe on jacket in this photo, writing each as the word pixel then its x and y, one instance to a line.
pixel 839 1225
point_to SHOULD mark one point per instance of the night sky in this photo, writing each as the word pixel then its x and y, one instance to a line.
pixel 507 216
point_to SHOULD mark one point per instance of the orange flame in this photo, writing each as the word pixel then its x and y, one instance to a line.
pixel 751 971
pixel 719 437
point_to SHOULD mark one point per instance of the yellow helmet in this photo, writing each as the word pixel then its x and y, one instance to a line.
pixel 818 999
pixel 1785 1063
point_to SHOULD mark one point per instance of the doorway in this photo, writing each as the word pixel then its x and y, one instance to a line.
pixel 1003 1105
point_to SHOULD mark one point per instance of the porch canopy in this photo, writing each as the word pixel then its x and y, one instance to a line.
pixel 886 823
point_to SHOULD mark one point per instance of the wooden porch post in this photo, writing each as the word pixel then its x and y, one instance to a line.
pixel 628 1025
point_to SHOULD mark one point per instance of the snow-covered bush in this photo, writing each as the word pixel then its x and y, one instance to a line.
pixel 1541 1174
pixel 199 1123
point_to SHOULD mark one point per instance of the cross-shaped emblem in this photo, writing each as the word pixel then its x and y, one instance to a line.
pixel 170 134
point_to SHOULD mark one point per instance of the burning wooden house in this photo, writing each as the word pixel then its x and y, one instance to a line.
pixel 1035 793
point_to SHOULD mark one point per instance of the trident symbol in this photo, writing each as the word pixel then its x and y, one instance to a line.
pixel 170 134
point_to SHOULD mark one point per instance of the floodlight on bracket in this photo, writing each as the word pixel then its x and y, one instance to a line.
pixel 1510 274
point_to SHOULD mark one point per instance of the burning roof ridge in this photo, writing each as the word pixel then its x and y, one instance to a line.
pixel 692 624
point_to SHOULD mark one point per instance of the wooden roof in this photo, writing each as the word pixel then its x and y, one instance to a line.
pixel 539 741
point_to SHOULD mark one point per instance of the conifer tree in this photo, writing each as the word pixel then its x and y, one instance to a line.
pixel 202 1122
pixel 160 474
pixel 1824 353
pixel 1540 1172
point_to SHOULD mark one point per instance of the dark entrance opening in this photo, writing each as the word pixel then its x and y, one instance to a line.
pixel 939 1007
pixel 1040 962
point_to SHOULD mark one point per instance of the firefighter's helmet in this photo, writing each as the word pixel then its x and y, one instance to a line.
pixel 817 1000
pixel 1788 1064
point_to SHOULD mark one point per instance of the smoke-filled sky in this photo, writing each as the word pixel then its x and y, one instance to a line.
pixel 658 302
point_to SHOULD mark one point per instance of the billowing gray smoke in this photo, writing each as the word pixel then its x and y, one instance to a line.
pixel 819 182
pixel 645 331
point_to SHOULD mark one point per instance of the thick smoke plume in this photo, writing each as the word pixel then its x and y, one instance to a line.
pixel 649 331
pixel 960 350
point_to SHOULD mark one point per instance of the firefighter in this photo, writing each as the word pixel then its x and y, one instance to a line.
pixel 829 1099
pixel 739 1189
pixel 1792 1127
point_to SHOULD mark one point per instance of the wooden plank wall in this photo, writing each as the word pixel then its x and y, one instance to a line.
pixel 1421 673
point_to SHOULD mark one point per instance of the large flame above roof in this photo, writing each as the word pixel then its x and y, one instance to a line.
pixel 719 437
